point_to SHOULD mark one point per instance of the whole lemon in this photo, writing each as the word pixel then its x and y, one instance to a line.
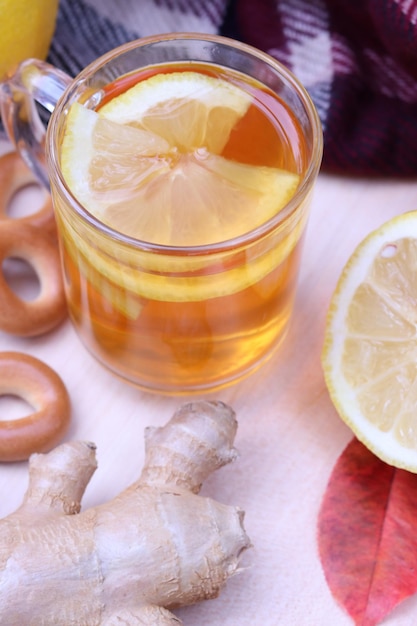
pixel 26 30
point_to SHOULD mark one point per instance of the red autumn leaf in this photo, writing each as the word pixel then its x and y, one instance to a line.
pixel 367 534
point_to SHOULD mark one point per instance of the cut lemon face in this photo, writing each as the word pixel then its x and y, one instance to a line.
pixel 148 164
pixel 370 348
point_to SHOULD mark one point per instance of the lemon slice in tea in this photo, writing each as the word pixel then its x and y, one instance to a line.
pixel 370 349
pixel 190 110
pixel 147 163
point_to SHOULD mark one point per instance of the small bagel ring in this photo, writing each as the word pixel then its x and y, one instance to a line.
pixel 35 382
pixel 15 175
pixel 34 317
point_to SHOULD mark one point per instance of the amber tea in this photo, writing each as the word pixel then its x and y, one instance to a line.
pixel 189 319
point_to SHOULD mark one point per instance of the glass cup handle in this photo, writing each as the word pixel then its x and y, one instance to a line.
pixel 34 83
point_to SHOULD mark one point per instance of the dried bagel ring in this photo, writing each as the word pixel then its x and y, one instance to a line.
pixel 40 386
pixel 15 175
pixel 34 317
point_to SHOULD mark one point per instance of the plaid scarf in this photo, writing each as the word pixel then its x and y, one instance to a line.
pixel 357 59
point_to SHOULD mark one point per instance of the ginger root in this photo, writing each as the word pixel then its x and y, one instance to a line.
pixel 156 546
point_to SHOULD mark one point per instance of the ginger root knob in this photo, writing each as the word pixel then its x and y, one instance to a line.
pixel 156 546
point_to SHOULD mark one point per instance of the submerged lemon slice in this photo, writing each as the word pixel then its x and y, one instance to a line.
pixel 370 349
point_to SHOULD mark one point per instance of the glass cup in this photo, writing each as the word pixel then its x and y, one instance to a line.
pixel 174 319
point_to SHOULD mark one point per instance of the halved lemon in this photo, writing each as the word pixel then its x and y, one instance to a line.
pixel 370 349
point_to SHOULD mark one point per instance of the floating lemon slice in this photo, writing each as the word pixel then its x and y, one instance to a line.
pixel 147 164
pixel 154 174
pixel 370 349
pixel 190 110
